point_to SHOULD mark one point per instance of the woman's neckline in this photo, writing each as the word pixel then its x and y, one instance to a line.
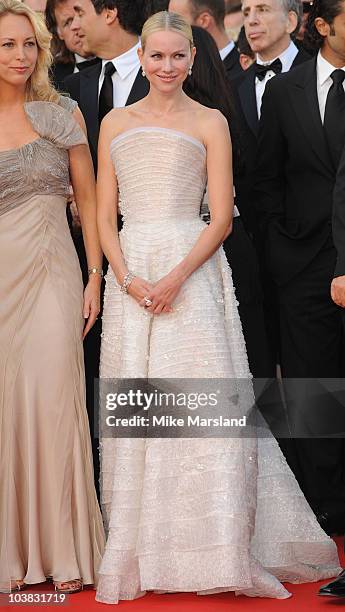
pixel 26 144
pixel 152 128
pixel 23 146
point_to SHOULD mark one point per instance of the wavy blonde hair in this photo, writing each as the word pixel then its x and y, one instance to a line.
pixel 38 86
pixel 166 21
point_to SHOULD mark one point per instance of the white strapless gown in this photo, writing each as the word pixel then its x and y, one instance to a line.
pixel 202 515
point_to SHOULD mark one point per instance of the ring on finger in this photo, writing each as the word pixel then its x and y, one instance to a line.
pixel 147 302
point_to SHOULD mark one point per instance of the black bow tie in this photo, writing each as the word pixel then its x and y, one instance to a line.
pixel 87 63
pixel 261 69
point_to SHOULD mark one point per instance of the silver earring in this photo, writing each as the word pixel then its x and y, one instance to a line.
pixel 143 72
pixel 190 71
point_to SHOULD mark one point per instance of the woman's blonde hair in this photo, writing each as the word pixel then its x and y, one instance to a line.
pixel 38 86
pixel 166 21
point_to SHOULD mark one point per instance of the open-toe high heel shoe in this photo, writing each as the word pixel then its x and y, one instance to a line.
pixel 15 586
pixel 67 587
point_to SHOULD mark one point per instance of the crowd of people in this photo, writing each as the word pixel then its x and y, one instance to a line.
pixel 215 132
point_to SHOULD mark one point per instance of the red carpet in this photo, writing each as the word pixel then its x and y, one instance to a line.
pixel 304 599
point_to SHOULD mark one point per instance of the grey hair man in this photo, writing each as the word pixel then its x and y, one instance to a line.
pixel 269 25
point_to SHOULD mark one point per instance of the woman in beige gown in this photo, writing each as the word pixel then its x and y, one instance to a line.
pixel 50 523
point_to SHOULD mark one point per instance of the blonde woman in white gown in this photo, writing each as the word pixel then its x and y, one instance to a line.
pixel 185 514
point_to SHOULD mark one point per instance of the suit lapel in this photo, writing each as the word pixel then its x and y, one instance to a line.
pixel 139 90
pixel 232 59
pixel 232 64
pixel 89 79
pixel 300 58
pixel 63 70
pixel 305 102
pixel 246 92
pixel 88 64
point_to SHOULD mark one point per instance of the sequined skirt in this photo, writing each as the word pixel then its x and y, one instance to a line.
pixel 202 515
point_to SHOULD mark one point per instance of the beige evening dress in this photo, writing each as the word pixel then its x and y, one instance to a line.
pixel 50 523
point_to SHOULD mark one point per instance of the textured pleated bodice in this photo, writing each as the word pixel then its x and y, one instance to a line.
pixel 157 181
pixel 161 176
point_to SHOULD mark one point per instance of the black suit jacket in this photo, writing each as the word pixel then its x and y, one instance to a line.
pixel 83 87
pixel 294 177
pixel 232 64
pixel 243 88
pixel 59 72
pixel 339 217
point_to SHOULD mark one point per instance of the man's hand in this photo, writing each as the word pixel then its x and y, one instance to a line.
pixel 338 291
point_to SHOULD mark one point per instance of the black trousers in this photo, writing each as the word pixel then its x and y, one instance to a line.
pixel 242 259
pixel 312 347
pixel 92 347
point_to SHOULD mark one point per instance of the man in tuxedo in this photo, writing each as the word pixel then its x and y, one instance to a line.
pixel 210 14
pixel 337 587
pixel 268 28
pixel 66 44
pixel 301 137
pixel 110 30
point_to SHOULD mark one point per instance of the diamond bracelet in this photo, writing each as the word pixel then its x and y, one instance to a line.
pixel 126 282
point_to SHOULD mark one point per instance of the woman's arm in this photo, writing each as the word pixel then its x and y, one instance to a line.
pixel 220 195
pixel 83 183
pixel 107 203
pixel 220 189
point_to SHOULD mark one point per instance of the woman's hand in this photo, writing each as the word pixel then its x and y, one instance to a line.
pixel 163 294
pixel 92 304
pixel 139 289
pixel 75 214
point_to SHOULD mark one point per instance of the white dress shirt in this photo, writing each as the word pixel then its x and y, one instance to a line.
pixel 324 70
pixel 226 50
pixel 286 58
pixel 127 66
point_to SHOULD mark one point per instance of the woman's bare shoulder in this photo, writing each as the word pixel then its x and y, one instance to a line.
pixel 212 118
pixel 207 123
pixel 205 113
pixel 116 122
pixel 214 127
